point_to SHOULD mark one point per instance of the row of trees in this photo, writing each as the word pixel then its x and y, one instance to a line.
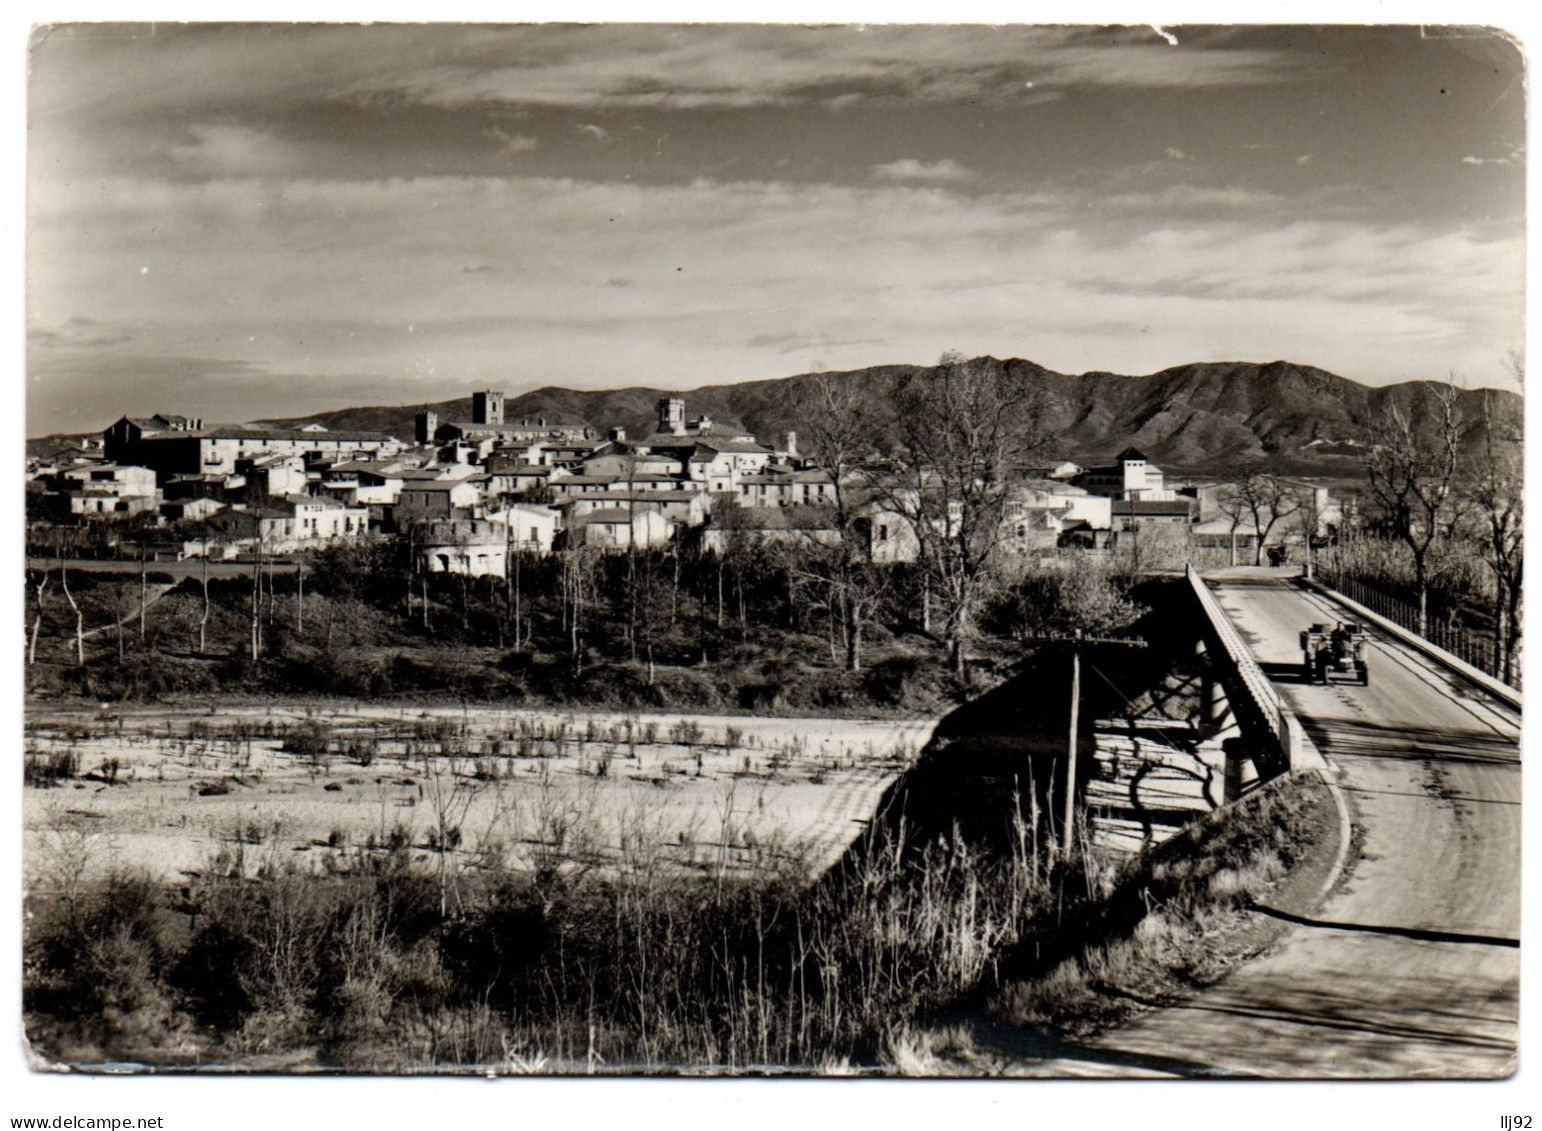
pixel 942 453
pixel 1449 490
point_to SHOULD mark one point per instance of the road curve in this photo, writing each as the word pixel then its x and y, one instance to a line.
pixel 1412 968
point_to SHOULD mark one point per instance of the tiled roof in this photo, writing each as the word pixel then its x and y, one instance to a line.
pixel 658 498
pixel 433 484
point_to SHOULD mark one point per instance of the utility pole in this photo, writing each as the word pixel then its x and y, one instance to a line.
pixel 1076 640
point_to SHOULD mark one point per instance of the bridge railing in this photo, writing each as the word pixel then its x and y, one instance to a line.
pixel 1467 645
pixel 1253 698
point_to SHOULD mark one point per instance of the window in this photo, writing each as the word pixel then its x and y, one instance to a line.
pixel 883 532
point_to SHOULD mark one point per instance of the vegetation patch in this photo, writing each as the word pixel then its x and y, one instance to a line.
pixel 642 965
pixel 1180 919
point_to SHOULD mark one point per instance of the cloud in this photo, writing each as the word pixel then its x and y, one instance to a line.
pixel 794 342
pixel 770 266
pixel 226 149
pixel 661 67
pixel 843 101
pixel 75 333
pixel 1304 159
pixel 598 133
pixel 1176 154
pixel 1185 197
pixel 944 171
pixel 1469 160
pixel 512 143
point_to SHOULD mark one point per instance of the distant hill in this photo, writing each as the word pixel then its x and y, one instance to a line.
pixel 1208 415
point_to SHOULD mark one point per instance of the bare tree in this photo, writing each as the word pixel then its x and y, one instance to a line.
pixel 203 621
pixel 256 624
pixel 964 429
pixel 839 426
pixel 580 565
pixel 1262 498
pixel 652 602
pixel 144 596
pixel 1231 504
pixel 1493 491
pixel 1413 463
pixel 513 576
pixel 39 579
pixel 80 617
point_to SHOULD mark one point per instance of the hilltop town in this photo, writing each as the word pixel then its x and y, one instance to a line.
pixel 471 492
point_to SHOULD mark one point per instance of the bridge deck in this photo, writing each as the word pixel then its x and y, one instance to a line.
pixel 1412 967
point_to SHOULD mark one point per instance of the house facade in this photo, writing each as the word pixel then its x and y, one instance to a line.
pixel 1131 476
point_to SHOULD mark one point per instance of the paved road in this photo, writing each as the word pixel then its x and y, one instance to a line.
pixel 1412 968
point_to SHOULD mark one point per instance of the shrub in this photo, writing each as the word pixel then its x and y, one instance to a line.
pixel 309 738
pixel 93 973
pixel 46 768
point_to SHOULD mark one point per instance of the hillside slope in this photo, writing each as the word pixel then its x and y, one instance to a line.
pixel 1207 414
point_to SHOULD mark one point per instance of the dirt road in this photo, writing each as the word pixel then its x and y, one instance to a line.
pixel 1412 968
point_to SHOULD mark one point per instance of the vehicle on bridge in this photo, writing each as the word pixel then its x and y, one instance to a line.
pixel 1335 654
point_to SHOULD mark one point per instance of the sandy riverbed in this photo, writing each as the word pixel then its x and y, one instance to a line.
pixel 175 792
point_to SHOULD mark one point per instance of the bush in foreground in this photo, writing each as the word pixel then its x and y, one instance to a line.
pixel 642 965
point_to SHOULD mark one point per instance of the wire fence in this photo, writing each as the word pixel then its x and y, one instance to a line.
pixel 1475 648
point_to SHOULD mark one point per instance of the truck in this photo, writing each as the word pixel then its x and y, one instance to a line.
pixel 1334 654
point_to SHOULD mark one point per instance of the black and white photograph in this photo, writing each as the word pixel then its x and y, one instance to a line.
pixel 753 550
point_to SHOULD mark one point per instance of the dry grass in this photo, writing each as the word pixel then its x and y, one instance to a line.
pixel 575 961
pixel 1154 938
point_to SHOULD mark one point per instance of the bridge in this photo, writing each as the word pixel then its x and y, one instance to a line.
pixel 1410 967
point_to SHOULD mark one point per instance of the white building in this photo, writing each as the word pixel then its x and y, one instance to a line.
pixel 782 486
pixel 291 522
pixel 615 528
pixel 1076 503
pixel 529 527
pixel 481 547
pixel 1131 477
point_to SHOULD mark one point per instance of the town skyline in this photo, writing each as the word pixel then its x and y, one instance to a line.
pixel 258 221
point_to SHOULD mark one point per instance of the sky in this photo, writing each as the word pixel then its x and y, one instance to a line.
pixel 254 221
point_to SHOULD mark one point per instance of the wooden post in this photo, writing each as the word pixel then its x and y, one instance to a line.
pixel 1070 777
pixel 1076 640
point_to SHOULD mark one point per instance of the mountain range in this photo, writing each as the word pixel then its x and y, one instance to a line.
pixel 1206 415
